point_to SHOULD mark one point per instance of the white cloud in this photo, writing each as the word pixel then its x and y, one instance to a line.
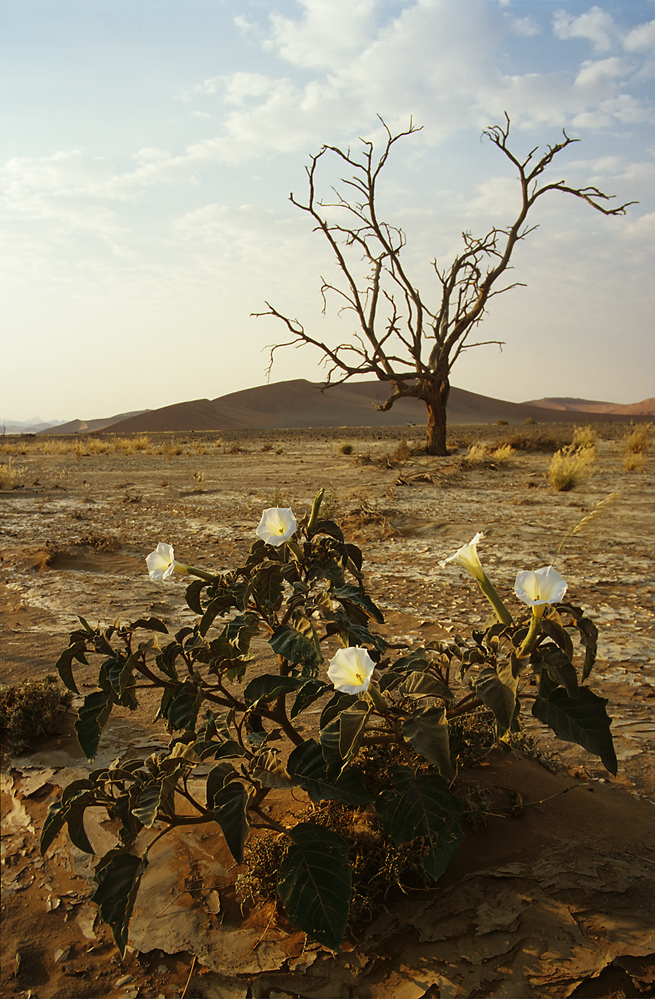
pixel 329 34
pixel 641 38
pixel 524 27
pixel 594 72
pixel 596 25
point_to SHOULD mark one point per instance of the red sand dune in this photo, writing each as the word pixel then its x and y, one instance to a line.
pixel 301 404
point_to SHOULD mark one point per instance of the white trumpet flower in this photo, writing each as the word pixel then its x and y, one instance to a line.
pixel 467 557
pixel 276 526
pixel 541 586
pixel 161 563
pixel 350 670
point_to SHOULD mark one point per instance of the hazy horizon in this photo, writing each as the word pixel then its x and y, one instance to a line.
pixel 148 152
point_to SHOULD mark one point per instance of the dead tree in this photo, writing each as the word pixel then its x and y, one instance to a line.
pixel 400 338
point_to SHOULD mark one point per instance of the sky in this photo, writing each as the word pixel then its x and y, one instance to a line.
pixel 148 149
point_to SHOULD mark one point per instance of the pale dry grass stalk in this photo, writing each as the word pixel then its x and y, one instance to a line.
pixel 634 462
pixel 569 467
pixel 599 507
pixel 503 454
pixel 584 437
pixel 11 476
pixel 477 453
pixel 638 440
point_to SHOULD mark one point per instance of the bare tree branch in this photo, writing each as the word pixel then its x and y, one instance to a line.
pixel 399 337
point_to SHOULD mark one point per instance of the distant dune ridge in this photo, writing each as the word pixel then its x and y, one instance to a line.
pixel 299 404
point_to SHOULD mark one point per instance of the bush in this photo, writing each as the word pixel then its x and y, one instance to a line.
pixel 345 448
pixel 11 476
pixel 637 441
pixel 634 462
pixel 569 467
pixel 584 437
pixel 31 710
pixel 382 748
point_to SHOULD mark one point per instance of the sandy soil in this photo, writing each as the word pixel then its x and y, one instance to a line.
pixel 559 905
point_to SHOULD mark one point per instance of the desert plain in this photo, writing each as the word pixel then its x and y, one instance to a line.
pixel 553 897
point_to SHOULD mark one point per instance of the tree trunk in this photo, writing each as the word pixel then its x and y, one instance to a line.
pixel 435 402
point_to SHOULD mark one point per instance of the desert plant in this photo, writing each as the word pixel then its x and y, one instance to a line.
pixel 477 453
pixel 503 454
pixel 634 462
pixel 11 476
pixel 638 439
pixel 584 437
pixel 31 710
pixel 530 421
pixel 302 587
pixel 570 466
pixel 502 423
pixel 345 448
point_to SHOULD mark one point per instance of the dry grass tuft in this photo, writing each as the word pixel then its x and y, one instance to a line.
pixel 634 462
pixel 503 454
pixel 638 440
pixel 584 437
pixel 569 467
pixel 11 476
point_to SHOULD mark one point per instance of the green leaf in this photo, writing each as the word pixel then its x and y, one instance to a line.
pixel 308 768
pixel 231 813
pixel 91 719
pixel 269 770
pixel 589 638
pixel 64 664
pixel 314 883
pixel 560 667
pixel 561 637
pixel 216 779
pixel 150 624
pixel 358 596
pixel 268 586
pixel 352 722
pixel 338 703
pixel 582 719
pixel 498 692
pixel 264 688
pixel 419 684
pixel 330 528
pixel 181 711
pixel 117 876
pixel 310 691
pixel 193 592
pixel 428 733
pixel 294 646
pixel 54 821
pixel 153 797
pixel 422 805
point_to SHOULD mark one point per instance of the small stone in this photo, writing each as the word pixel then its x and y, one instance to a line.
pixel 125 980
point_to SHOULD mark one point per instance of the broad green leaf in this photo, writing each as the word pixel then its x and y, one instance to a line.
pixel 422 805
pixel 498 692
pixel 582 719
pixel 296 646
pixel 314 883
pixel 54 821
pixel 330 528
pixel 308 768
pixel 336 704
pixel 231 813
pixel 560 667
pixel 217 778
pixel 268 586
pixel 269 770
pixel 117 876
pixel 75 798
pixel 561 637
pixel 149 624
pixel 193 592
pixel 352 722
pixel 91 719
pixel 154 797
pixel 419 684
pixel 264 688
pixel 428 733
pixel 358 596
pixel 116 675
pixel 310 691
pixel 64 664
pixel 181 711
pixel 589 638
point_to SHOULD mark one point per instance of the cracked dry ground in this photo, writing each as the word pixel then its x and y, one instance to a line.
pixel 554 901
